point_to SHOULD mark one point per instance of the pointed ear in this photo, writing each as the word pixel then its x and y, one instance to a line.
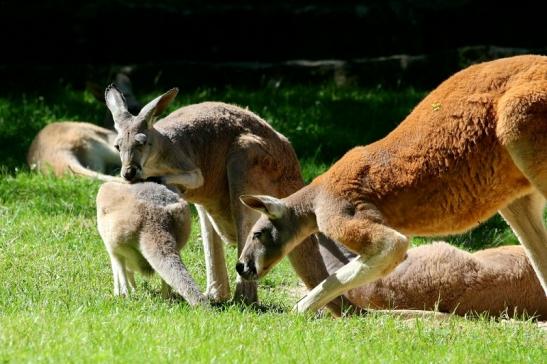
pixel 270 206
pixel 115 101
pixel 155 107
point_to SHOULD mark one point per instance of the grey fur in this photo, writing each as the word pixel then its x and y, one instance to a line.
pixel 213 153
pixel 144 226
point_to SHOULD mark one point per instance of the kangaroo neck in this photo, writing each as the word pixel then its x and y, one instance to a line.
pixel 302 207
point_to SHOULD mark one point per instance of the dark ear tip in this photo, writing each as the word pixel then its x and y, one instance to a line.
pixel 109 88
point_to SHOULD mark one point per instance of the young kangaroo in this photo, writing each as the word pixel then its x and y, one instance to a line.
pixel 441 277
pixel 144 226
pixel 77 147
pixel 213 153
pixel 474 145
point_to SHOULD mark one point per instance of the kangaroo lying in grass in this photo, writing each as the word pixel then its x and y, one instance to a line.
pixel 213 153
pixel 81 148
pixel 475 145
pixel 441 277
pixel 144 226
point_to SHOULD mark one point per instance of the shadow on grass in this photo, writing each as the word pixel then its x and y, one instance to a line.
pixel 259 308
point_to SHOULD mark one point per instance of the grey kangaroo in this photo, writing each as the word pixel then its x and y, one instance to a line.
pixel 144 226
pixel 214 153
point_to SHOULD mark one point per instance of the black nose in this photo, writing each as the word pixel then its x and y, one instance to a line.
pixel 246 270
pixel 130 173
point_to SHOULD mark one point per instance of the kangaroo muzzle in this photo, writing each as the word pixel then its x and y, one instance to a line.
pixel 131 173
pixel 247 270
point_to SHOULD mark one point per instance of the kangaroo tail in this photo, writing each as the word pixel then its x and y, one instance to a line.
pixel 76 167
pixel 170 268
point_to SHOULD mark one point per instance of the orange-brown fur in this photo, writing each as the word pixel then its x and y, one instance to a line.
pixel 445 168
pixel 441 277
pixel 475 145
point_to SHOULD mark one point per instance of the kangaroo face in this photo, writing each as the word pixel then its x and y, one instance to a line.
pixel 272 237
pixel 134 146
pixel 135 133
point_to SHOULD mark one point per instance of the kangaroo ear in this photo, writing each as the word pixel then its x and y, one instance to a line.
pixel 270 206
pixel 115 101
pixel 155 107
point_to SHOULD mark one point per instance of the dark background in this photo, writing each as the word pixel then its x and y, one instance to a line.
pixel 327 74
pixel 248 42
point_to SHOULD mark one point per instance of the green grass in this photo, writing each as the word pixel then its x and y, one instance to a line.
pixel 316 119
pixel 322 122
pixel 56 302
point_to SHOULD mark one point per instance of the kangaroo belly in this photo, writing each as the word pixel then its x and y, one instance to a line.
pixel 462 197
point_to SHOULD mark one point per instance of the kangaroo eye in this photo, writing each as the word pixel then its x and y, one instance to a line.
pixel 257 235
pixel 117 147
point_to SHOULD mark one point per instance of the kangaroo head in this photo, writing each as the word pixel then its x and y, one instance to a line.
pixel 135 133
pixel 272 237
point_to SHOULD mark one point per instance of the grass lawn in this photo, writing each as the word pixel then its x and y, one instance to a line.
pixel 56 302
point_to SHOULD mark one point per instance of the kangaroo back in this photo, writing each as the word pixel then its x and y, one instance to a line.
pixel 439 276
pixel 146 222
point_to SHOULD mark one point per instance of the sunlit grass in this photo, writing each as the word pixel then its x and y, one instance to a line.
pixel 56 304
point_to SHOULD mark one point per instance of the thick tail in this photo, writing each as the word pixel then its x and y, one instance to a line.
pixel 75 167
pixel 174 273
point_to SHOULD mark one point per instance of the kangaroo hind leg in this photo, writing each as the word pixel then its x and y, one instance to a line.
pixel 218 285
pixel 119 273
pixel 525 216
pixel 242 180
pixel 161 253
pixel 522 130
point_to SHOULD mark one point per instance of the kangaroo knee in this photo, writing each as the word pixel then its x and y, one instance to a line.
pixel 395 252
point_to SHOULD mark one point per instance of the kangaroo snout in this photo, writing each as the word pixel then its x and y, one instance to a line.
pixel 130 173
pixel 247 270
